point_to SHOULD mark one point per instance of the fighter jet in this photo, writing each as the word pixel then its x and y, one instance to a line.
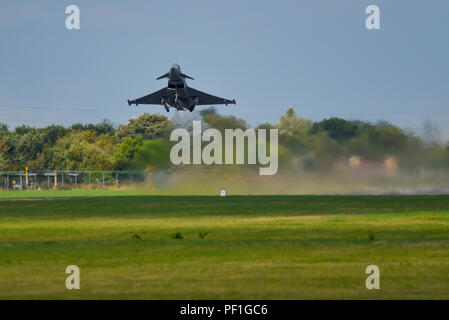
pixel 178 95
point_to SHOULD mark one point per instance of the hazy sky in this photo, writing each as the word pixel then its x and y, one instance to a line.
pixel 314 55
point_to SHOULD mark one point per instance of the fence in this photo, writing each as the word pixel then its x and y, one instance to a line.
pixel 63 179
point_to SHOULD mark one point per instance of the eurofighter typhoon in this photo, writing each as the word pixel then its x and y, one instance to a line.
pixel 178 95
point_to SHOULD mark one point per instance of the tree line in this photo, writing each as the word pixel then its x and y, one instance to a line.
pixel 143 143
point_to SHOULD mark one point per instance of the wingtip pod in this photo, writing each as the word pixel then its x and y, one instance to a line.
pixel 132 102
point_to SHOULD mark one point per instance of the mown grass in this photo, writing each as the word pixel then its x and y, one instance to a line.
pixel 257 247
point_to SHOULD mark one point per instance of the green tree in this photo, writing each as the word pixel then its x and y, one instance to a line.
pixel 29 148
pixel 149 126
pixel 104 127
pixel 221 123
pixel 136 153
pixel 338 129
pixel 52 133
pixel 154 154
pixel 84 150
pixel 294 132
pixel 126 151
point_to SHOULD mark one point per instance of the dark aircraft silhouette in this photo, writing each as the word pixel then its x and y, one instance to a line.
pixel 178 95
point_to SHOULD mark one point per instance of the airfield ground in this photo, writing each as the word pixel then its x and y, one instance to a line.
pixel 257 247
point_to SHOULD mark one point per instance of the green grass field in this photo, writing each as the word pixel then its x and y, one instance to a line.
pixel 257 247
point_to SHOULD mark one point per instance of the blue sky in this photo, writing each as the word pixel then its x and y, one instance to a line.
pixel 314 55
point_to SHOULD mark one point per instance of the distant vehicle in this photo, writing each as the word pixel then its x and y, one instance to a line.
pixel 178 95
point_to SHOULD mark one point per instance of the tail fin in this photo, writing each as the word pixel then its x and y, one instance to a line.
pixel 163 76
pixel 186 76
